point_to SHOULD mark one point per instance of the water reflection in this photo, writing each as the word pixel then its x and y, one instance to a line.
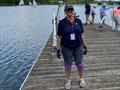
pixel 23 33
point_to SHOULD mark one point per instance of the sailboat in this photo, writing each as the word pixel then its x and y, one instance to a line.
pixel 34 3
pixel 30 3
pixel 21 3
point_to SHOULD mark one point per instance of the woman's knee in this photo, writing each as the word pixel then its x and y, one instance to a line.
pixel 80 66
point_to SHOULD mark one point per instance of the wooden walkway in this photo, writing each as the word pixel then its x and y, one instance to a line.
pixel 102 71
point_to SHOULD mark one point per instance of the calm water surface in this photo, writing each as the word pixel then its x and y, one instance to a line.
pixel 23 33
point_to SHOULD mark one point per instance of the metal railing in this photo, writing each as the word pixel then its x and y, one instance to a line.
pixel 55 21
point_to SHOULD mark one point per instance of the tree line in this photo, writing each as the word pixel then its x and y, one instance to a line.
pixel 16 2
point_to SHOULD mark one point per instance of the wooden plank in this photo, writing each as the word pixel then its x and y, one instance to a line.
pixel 102 71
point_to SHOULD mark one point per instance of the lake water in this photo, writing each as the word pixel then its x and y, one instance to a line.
pixel 23 33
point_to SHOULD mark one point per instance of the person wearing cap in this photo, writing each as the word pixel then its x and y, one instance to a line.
pixel 72 44
pixel 116 17
pixel 87 13
pixel 103 13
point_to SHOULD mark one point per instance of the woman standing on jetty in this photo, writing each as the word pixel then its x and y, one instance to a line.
pixel 71 40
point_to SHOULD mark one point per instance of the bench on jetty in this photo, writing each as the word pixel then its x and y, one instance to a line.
pixel 102 70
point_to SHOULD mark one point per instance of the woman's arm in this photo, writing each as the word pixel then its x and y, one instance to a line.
pixel 59 38
pixel 83 34
pixel 84 44
pixel 83 39
pixel 59 47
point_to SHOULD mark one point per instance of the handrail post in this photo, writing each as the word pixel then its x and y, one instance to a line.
pixel 55 26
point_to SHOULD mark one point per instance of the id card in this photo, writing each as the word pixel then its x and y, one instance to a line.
pixel 72 36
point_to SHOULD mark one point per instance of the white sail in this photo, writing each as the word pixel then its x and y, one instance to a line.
pixel 30 3
pixel 34 3
pixel 21 2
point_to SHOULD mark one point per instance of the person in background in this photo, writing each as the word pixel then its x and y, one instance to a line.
pixel 103 13
pixel 72 44
pixel 87 13
pixel 116 17
pixel 93 13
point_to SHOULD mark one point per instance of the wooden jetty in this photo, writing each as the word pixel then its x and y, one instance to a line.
pixel 102 70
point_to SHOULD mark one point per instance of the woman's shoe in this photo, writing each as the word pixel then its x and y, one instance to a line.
pixel 82 83
pixel 68 85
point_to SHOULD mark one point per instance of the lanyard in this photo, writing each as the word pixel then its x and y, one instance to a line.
pixel 71 25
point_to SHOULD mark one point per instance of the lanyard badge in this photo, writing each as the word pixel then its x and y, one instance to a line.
pixel 72 36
